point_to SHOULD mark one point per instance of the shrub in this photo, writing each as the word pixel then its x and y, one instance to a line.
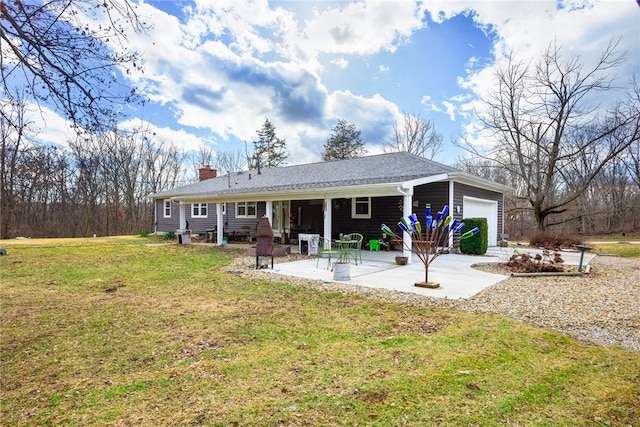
pixel 169 235
pixel 554 240
pixel 478 244
pixel 539 263
pixel 144 233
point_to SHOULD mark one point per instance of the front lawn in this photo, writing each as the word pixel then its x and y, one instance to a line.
pixel 123 331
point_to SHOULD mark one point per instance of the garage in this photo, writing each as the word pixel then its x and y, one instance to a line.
pixel 473 207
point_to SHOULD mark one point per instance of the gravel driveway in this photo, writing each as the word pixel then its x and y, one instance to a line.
pixel 602 307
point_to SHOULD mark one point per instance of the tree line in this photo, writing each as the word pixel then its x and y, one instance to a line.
pixel 99 185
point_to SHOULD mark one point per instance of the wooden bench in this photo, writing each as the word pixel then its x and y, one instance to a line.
pixel 243 235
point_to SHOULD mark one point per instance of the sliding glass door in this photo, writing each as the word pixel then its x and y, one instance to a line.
pixel 280 214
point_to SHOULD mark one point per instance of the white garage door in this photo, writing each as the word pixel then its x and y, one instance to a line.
pixel 482 208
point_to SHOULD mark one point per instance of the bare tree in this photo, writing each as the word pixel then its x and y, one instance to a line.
pixel 89 185
pixel 13 127
pixel 58 51
pixel 114 174
pixel 414 135
pixel 544 120
pixel 230 161
pixel 631 157
pixel 163 165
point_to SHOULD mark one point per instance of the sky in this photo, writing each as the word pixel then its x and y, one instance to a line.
pixel 215 69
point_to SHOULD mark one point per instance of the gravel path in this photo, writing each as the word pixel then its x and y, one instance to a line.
pixel 602 307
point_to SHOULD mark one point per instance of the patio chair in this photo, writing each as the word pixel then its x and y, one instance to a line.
pixel 326 249
pixel 356 248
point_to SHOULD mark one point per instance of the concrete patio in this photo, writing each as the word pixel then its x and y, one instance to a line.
pixel 453 272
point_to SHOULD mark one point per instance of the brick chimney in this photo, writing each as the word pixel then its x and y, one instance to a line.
pixel 207 172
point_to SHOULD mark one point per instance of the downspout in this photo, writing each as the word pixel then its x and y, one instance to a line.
pixel 407 243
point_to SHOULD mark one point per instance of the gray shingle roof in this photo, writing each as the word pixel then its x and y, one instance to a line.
pixel 377 169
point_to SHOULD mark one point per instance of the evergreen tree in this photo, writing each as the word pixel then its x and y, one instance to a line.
pixel 344 143
pixel 269 150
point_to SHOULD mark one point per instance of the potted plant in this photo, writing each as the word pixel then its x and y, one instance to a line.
pixel 425 242
pixel 401 260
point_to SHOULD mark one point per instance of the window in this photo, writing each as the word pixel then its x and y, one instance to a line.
pixel 199 210
pixel 167 208
pixel 246 210
pixel 361 207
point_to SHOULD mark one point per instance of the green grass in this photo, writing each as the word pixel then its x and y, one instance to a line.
pixel 623 249
pixel 119 332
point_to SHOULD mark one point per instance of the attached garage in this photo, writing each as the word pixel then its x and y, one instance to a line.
pixel 473 207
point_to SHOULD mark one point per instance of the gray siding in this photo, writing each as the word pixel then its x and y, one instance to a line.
pixel 200 225
pixel 437 194
pixel 387 210
pixel 163 224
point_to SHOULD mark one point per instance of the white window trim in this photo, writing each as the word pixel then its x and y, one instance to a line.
pixel 355 215
pixel 246 208
pixel 166 203
pixel 199 215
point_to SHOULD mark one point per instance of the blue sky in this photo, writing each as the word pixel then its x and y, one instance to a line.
pixel 215 69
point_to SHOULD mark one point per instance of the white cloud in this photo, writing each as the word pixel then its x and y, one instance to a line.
pixel 340 63
pixel 229 88
pixel 47 126
pixel 447 108
pixel 180 138
pixel 359 28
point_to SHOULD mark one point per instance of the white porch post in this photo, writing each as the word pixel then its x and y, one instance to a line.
pixel 269 212
pixel 406 211
pixel 219 223
pixel 327 218
pixel 183 216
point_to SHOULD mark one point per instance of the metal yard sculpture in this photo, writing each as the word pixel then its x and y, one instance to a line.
pixel 432 240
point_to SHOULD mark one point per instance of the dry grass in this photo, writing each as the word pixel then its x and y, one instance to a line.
pixel 119 332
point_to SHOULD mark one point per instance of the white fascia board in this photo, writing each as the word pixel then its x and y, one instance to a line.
pixel 372 190
pixel 476 181
pixel 426 180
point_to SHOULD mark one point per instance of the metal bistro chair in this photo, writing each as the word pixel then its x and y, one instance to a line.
pixel 326 248
pixel 356 247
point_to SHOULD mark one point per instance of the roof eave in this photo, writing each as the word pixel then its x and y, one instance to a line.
pixel 348 191
pixel 476 181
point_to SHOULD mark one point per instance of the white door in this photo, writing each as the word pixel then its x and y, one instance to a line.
pixel 481 208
